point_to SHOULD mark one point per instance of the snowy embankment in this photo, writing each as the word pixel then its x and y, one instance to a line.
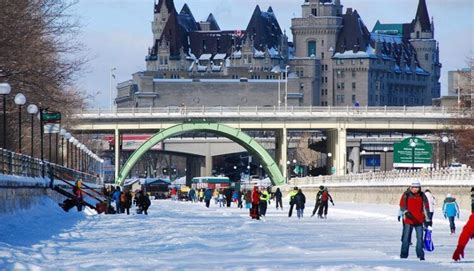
pixel 182 235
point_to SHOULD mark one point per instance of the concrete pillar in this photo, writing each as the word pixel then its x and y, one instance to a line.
pixel 208 165
pixel 117 152
pixel 337 146
pixel 341 152
pixel 281 150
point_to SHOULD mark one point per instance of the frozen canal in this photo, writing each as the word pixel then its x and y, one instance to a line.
pixel 180 235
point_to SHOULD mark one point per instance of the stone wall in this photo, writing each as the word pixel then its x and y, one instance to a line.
pixel 18 198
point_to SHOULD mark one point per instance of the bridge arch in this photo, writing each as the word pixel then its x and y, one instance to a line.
pixel 236 135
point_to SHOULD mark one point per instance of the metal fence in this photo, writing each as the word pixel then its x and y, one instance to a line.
pixel 16 164
pixel 443 176
pixel 226 111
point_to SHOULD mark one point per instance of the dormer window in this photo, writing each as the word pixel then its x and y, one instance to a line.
pixel 417 34
pixel 314 12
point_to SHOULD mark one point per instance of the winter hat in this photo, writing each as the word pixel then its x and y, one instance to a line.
pixel 321 187
pixel 416 184
pixel 449 195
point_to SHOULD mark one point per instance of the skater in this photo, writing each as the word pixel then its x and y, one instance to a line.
pixel 239 200
pixel 208 197
pixel 77 191
pixel 192 195
pixel 278 199
pixel 220 199
pixel 215 196
pixel 324 203
pixel 248 199
pixel 292 195
pixel 142 201
pixel 451 211
pixel 201 195
pixel 263 204
pixel 300 200
pixel 116 198
pixel 318 200
pixel 467 233
pixel 414 206
pixel 432 202
pixel 126 201
pixel 255 201
pixel 228 197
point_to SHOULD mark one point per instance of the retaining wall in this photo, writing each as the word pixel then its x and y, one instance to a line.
pixel 386 194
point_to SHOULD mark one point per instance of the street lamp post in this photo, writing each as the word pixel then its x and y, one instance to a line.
pixel 32 110
pixel 5 89
pixel 445 141
pixel 385 150
pixel 329 158
pixel 286 87
pixel 20 100
pixel 62 133
pixel 294 166
pixel 413 145
pixel 67 136
pixel 288 165
pixel 362 160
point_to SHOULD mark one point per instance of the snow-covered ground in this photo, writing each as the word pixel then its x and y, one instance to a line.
pixel 185 236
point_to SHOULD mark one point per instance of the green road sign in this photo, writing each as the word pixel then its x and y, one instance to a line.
pixel 417 156
pixel 51 117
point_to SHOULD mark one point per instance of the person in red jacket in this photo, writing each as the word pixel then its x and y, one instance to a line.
pixel 255 201
pixel 414 207
pixel 467 233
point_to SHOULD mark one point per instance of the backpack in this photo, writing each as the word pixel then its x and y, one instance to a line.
pixel 324 196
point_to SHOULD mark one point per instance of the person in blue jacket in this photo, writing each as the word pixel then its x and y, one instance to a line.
pixel 450 211
pixel 116 198
pixel 208 197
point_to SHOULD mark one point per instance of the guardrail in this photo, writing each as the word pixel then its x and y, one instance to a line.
pixel 16 164
pixel 444 176
pixel 238 111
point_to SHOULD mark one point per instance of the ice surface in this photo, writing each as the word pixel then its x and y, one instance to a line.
pixel 185 236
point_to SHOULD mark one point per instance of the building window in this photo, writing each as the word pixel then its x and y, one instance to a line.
pixel 353 98
pixel 417 34
pixel 427 56
pixel 353 62
pixel 353 74
pixel 353 85
pixel 322 42
pixel 342 85
pixel 311 48
pixel 325 79
pixel 314 12
pixel 322 55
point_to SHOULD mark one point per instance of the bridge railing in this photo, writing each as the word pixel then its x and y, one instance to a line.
pixel 224 111
pixel 443 176
pixel 12 163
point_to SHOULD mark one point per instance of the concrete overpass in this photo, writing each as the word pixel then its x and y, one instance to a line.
pixel 335 121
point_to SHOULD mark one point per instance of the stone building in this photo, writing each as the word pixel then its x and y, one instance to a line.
pixel 334 60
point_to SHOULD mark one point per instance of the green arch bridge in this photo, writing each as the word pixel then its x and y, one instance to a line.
pixel 236 135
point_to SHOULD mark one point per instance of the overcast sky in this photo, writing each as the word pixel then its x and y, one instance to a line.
pixel 117 33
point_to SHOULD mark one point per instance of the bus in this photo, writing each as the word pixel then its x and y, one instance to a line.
pixel 210 182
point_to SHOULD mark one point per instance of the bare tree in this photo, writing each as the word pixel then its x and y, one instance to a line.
pixel 304 154
pixel 40 57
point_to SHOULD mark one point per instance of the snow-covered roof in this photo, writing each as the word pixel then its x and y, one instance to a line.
pixel 204 57
pixel 368 53
pixel 219 57
pixel 258 54
pixel 237 54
